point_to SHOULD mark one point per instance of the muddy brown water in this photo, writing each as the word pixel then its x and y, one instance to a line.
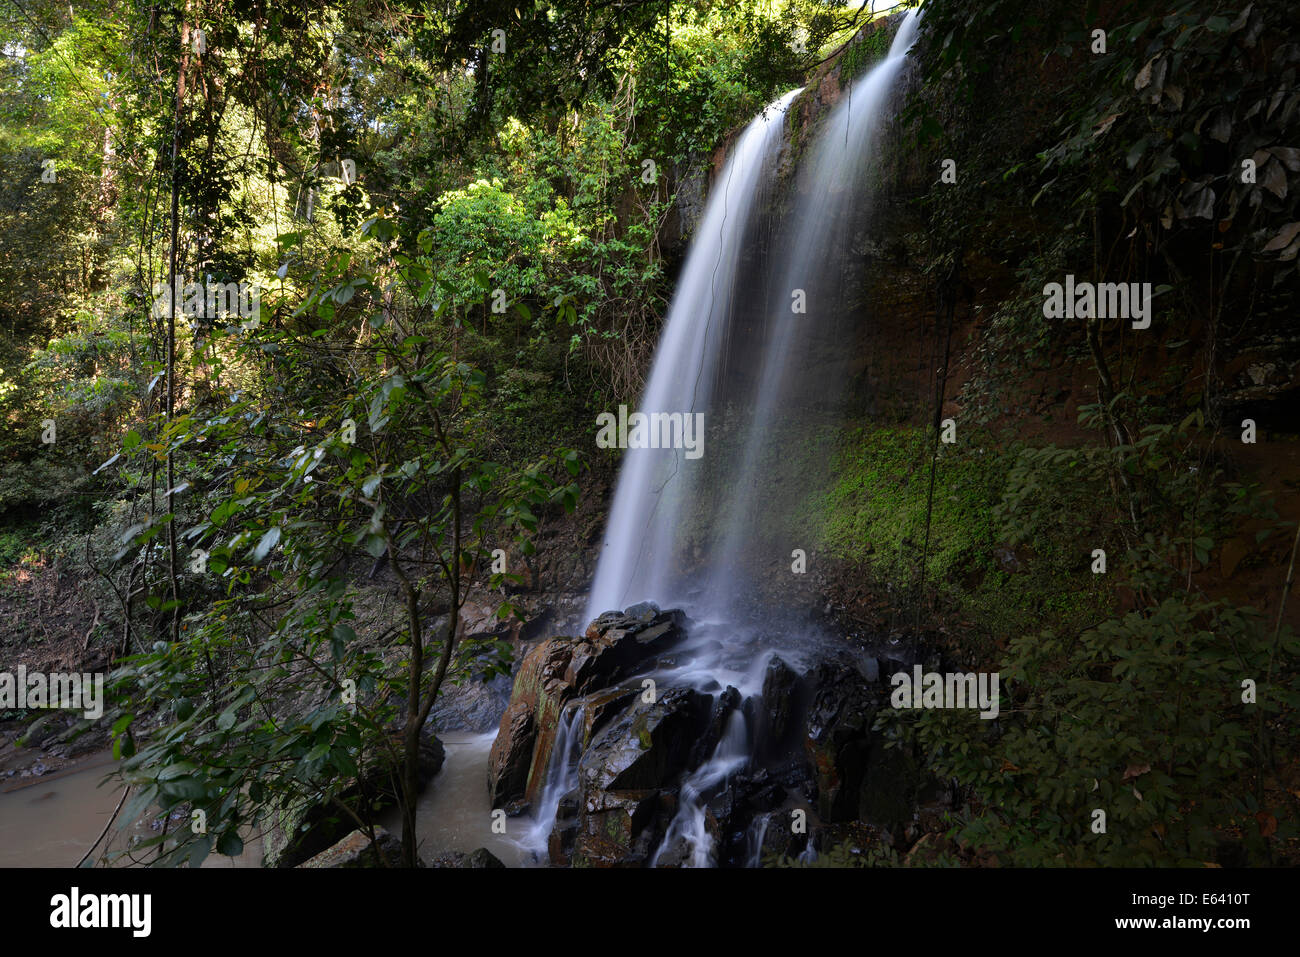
pixel 52 820
pixel 454 813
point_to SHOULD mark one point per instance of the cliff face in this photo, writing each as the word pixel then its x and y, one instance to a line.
pixel 947 330
pixel 935 329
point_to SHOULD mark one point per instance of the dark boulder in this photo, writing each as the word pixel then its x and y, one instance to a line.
pixel 837 736
pixel 480 858
pixel 475 706
pixel 777 719
pixel 306 828
pixel 648 745
pixel 560 670
pixel 720 712
pixel 616 829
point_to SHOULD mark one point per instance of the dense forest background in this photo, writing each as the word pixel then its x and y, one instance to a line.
pixel 463 222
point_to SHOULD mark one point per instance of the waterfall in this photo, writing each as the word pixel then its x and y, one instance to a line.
pixel 643 523
pixel 754 841
pixel 832 202
pixel 738 347
pixel 561 778
pixel 735 348
pixel 689 825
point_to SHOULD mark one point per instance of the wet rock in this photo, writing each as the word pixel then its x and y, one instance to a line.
pixel 642 611
pixel 870 669
pixel 778 715
pixel 771 838
pixel 624 801
pixel 518 807
pixel 811 748
pixel 480 858
pixel 615 828
pixel 677 854
pixel 522 749
pixel 647 746
pixel 681 853
pixel 564 833
pixel 377 773
pixel 837 737
pixel 599 708
pixel 744 810
pixel 87 741
pixel 556 672
pixel 475 706
pixel 720 712
pixel 511 755
pixel 44 730
pixel 356 850
pixel 758 791
pixel 616 645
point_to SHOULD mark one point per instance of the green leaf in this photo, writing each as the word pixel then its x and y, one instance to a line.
pixel 187 789
pixel 320 751
pixel 339 638
pixel 173 771
pixel 136 807
pixel 345 762
pixel 230 844
pixel 200 850
pixel 1135 152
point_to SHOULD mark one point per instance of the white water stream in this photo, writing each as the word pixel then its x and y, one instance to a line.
pixel 650 526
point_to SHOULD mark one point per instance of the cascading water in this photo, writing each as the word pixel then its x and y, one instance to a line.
pixel 643 524
pixel 561 777
pixel 754 842
pixel 660 491
pixel 736 349
pixel 833 201
pixel 731 754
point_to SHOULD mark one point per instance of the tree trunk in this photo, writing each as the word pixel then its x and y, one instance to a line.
pixel 181 70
